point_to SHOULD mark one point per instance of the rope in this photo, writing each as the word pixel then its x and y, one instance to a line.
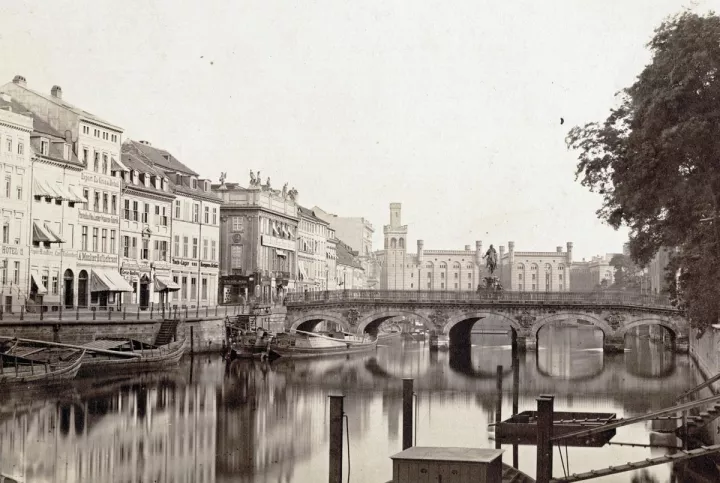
pixel 562 462
pixel 347 436
pixel 567 459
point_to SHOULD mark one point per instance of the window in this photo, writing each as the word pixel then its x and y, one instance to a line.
pixel 204 289
pixel 207 214
pixel 135 211
pixel 126 246
pixel 96 162
pixel 113 205
pixel 105 202
pixel 44 279
pixel 469 286
pixel 520 276
pixel 212 250
pixel 71 235
pixel 184 288
pixel 103 241
pixel 176 292
pixel 195 248
pixel 237 223
pixel 533 287
pixel 533 276
pixel 19 189
pixel 185 247
pixel 105 164
pixel 442 274
pixel 84 239
pixel 163 217
pixel 16 271
pixel 8 186
pixel 112 241
pixel 177 209
pixel 6 232
pixel 162 251
pixel 85 155
pixel 411 285
pixel 205 249
pixel 95 240
pixel 133 247
pixel 96 201
pixel 428 285
pixel 177 246
pixel 194 184
pixel 561 286
pixel 520 287
pixel 9 145
pixel 456 275
pixel 196 212
pixel 54 289
pixel 145 252
pixel 442 285
pixel 146 213
pixel 86 195
pixel 193 288
pixel 214 216
pixel 560 276
pixel 126 213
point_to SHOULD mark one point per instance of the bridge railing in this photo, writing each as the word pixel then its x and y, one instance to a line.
pixel 594 298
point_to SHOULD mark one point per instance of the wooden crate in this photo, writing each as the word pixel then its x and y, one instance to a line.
pixel 447 465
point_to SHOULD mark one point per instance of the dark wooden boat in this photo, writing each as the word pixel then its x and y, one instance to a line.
pixel 243 343
pixel 522 428
pixel 105 356
pixel 21 363
pixel 311 344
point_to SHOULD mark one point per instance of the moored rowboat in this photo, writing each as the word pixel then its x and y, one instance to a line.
pixel 310 344
pixel 129 356
pixel 16 369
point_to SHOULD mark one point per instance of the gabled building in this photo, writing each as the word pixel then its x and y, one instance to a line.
pixel 195 228
pixel 145 228
pixel 96 143
pixel 350 273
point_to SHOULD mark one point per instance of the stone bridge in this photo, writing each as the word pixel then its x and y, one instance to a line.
pixel 455 313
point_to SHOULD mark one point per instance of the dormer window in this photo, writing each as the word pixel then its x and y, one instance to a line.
pixel 163 186
pixel 66 151
pixel 44 147
pixel 146 178
pixel 194 184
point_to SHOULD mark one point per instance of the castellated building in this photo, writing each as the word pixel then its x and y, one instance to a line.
pixel 535 271
pixel 452 270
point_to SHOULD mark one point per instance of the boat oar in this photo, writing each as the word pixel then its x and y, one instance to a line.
pixel 72 346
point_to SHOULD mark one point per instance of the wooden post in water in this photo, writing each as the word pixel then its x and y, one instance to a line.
pixel 515 402
pixel 192 340
pixel 498 404
pixel 544 433
pixel 407 405
pixel 336 439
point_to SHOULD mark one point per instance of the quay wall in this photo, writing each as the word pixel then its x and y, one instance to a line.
pixel 705 352
pixel 81 332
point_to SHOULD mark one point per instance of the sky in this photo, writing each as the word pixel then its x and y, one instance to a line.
pixel 452 109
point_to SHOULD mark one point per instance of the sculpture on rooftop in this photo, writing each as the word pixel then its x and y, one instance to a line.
pixel 293 194
pixel 284 191
pixel 266 186
pixel 223 177
pixel 252 178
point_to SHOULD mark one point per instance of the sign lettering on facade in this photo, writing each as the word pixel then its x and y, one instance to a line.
pixel 97 257
pixel 184 263
pixel 275 242
pixel 106 181
pixel 97 217
pixel 12 250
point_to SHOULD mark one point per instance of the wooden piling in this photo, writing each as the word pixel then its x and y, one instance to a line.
pixel 516 402
pixel 407 405
pixel 192 340
pixel 545 408
pixel 498 404
pixel 336 439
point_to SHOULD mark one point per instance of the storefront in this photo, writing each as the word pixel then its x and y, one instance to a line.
pixel 237 288
pixel 163 284
pixel 106 285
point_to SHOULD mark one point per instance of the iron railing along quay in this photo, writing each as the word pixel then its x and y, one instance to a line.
pixel 605 298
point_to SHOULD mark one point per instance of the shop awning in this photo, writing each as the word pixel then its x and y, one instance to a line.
pixel 55 235
pixel 303 272
pixel 280 253
pixel 41 289
pixel 40 188
pixel 77 194
pixel 108 280
pixel 165 284
pixel 42 234
pixel 117 165
pixel 63 191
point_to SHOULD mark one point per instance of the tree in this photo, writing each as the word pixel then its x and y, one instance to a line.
pixel 655 160
pixel 627 276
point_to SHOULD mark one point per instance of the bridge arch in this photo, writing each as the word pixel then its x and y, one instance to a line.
pixel 587 316
pixel 309 322
pixel 483 314
pixel 663 322
pixel 376 318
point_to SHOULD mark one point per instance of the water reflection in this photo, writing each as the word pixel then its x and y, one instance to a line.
pixel 257 422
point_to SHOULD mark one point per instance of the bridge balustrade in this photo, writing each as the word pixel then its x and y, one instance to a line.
pixel 389 296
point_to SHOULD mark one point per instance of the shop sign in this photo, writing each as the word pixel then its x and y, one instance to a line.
pixel 97 257
pixel 53 252
pixel 209 264
pixel 12 250
pixel 98 217
pixel 105 181
pixel 184 263
pixel 161 265
pixel 275 242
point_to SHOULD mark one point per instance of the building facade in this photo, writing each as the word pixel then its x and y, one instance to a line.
pixel 258 243
pixel 656 270
pixel 350 273
pixel 357 233
pixel 535 271
pixel 15 156
pixel 314 268
pixel 449 270
pixel 591 275
pixel 145 230
pixel 195 230
pixel 96 143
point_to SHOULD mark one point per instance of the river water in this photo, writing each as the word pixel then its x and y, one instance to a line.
pixel 206 421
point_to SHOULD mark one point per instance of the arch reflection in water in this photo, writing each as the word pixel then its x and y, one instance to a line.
pixel 649 352
pixel 570 351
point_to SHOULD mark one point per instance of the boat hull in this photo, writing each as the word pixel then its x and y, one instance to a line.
pixel 307 352
pixel 37 374
pixel 149 360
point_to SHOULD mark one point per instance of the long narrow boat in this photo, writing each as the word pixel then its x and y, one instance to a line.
pixel 106 356
pixel 36 367
pixel 310 344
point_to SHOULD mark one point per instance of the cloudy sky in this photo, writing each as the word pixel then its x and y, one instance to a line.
pixel 452 109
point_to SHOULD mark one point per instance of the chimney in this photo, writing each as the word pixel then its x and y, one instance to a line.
pixel 467 248
pixel 20 80
pixel 569 253
pixel 559 249
pixel 56 91
pixel 146 143
pixel 420 251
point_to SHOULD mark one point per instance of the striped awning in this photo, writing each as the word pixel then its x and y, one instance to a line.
pixel 165 284
pixel 41 289
pixel 108 280
pixel 42 234
pixel 40 188
pixel 76 194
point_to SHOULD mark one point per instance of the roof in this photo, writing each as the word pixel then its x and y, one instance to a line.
pixel 306 213
pixel 64 104
pixel 160 157
pixel 39 125
pixel 345 256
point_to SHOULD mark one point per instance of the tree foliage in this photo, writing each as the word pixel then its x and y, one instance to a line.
pixel 627 275
pixel 656 160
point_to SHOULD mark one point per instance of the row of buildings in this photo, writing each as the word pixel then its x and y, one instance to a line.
pixel 90 220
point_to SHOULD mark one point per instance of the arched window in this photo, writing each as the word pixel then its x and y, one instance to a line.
pixel 443 265
pixel 521 267
pixel 534 267
pixel 561 267
pixel 429 265
pixel 456 266
pixel 469 266
pixel 401 243
pixel 393 243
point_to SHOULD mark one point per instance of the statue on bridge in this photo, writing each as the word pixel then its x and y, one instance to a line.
pixel 491 262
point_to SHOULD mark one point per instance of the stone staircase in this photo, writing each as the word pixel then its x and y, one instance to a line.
pixel 697 422
pixel 166 334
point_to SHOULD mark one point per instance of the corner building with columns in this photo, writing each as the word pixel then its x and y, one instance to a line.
pixel 441 270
